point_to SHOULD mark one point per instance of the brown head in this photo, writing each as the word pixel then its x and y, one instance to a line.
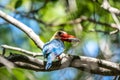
pixel 64 36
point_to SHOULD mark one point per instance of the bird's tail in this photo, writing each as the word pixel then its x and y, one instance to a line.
pixel 50 58
pixel 49 62
pixel 48 65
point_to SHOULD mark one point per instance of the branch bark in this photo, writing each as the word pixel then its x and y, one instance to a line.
pixel 92 65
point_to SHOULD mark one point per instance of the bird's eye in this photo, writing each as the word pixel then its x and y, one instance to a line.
pixel 59 33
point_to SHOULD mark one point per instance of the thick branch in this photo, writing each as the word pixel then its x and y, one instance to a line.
pixel 24 28
pixel 92 65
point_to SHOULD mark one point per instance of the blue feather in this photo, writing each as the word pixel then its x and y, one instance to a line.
pixel 50 58
pixel 51 50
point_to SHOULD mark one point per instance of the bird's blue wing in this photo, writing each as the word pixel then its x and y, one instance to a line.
pixel 58 47
pixel 54 46
pixel 45 50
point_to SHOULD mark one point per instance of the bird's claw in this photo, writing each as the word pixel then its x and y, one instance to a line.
pixel 58 57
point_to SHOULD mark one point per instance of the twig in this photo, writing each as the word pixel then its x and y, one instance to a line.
pixel 116 20
pixel 113 32
pixel 3 51
pixel 113 12
pixel 21 50
pixel 84 18
pixel 105 5
pixel 115 78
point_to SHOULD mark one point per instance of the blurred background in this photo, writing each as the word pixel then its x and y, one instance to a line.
pixel 82 18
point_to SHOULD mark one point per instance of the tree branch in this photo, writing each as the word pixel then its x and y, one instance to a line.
pixel 21 50
pixel 108 65
pixel 105 5
pixel 92 65
pixel 24 28
pixel 113 12
pixel 84 18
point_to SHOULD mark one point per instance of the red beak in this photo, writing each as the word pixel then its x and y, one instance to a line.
pixel 69 38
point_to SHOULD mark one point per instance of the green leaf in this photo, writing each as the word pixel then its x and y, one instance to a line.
pixel 18 4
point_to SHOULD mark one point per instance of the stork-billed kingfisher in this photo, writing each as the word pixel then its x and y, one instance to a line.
pixel 55 47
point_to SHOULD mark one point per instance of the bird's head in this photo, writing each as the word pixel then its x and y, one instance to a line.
pixel 64 36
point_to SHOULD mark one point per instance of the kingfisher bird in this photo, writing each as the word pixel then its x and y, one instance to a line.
pixel 55 47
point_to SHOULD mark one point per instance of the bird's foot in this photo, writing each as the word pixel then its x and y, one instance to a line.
pixel 58 57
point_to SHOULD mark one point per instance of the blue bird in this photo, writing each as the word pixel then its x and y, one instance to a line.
pixel 55 47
